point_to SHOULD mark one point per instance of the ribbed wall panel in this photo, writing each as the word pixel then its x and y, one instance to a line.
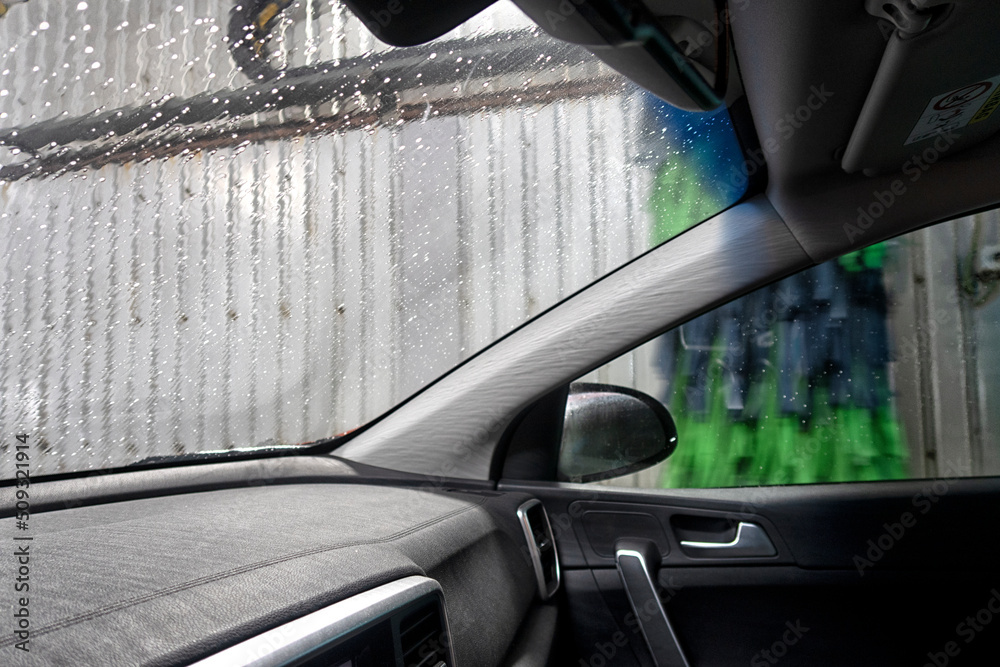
pixel 291 290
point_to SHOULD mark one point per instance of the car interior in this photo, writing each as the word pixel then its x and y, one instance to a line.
pixel 481 521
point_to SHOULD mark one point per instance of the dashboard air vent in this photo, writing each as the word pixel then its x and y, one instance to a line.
pixel 402 623
pixel 422 638
pixel 541 546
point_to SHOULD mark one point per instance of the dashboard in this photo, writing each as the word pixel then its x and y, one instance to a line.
pixel 303 566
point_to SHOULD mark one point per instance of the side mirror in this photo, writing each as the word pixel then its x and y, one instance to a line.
pixel 610 431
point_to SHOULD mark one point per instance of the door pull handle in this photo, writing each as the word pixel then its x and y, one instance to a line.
pixel 750 542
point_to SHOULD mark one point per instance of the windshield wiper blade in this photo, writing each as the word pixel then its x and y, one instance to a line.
pixel 263 450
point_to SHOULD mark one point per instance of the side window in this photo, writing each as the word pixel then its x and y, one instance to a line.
pixel 881 364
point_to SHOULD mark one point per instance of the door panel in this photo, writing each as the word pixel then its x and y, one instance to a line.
pixel 885 573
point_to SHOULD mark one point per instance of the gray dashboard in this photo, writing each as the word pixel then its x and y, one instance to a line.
pixel 176 578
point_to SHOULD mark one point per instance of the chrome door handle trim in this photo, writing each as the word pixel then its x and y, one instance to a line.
pixel 751 541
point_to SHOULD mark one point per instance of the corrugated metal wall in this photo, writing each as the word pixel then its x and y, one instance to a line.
pixel 281 290
pixel 947 361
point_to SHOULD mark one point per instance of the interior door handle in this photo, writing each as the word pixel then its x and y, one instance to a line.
pixel 638 562
pixel 750 542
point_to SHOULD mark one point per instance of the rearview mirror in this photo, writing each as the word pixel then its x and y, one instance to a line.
pixel 610 431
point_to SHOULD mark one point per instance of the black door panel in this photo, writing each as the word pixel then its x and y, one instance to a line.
pixel 887 573
pixel 600 626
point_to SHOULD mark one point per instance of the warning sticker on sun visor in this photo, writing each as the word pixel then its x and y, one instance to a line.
pixel 957 108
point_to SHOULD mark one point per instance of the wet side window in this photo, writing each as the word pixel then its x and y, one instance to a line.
pixel 881 364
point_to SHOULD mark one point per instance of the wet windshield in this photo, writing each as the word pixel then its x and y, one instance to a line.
pixel 226 230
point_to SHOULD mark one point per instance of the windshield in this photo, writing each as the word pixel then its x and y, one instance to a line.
pixel 226 230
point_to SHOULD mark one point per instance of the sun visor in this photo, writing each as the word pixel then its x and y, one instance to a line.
pixel 937 90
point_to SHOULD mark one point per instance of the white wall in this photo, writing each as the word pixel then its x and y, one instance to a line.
pixel 286 290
